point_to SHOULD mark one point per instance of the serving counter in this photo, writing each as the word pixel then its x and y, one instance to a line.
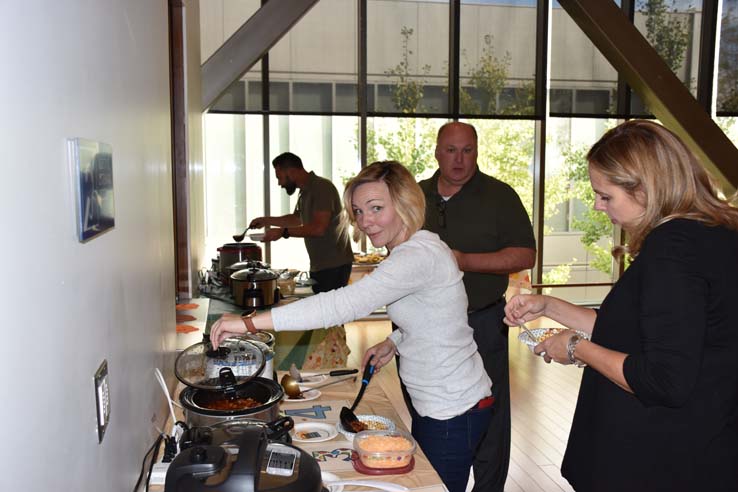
pixel 334 454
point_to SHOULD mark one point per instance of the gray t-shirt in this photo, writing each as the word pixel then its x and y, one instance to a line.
pixel 421 285
pixel 333 249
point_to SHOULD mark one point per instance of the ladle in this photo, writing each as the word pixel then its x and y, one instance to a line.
pixel 292 387
pixel 239 237
pixel 348 418
pixel 338 372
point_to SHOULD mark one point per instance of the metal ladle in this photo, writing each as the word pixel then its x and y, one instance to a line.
pixel 239 237
pixel 292 387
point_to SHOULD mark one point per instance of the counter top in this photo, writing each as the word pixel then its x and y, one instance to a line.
pixel 333 455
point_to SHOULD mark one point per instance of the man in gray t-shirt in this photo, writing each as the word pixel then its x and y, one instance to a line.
pixel 316 219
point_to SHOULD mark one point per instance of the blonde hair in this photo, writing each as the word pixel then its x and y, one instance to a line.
pixel 657 169
pixel 405 193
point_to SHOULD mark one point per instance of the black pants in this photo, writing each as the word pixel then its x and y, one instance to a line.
pixel 492 459
pixel 331 278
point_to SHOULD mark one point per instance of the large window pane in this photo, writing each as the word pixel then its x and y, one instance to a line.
pixel 234 170
pixel 408 55
pixel 497 60
pixel 727 96
pixel 318 53
pixel 577 65
pixel 577 240
pixel 218 21
pixel 673 29
pixel 327 146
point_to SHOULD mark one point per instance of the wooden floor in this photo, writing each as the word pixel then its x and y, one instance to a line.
pixel 543 398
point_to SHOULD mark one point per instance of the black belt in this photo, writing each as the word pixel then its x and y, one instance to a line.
pixel 488 306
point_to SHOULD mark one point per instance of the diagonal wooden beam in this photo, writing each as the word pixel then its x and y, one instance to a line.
pixel 662 91
pixel 248 44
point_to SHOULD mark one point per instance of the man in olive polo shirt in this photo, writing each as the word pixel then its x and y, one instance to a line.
pixel 485 224
pixel 316 219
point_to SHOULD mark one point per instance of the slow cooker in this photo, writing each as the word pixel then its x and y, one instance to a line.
pixel 250 462
pixel 231 253
pixel 224 384
pixel 254 287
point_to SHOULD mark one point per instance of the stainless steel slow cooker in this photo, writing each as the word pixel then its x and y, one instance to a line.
pixel 254 287
pixel 223 384
pixel 231 253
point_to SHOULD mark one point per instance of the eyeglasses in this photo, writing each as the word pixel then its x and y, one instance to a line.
pixel 441 207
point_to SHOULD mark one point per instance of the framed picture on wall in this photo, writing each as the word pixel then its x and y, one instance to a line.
pixel 92 165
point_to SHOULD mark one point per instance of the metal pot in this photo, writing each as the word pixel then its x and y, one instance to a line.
pixel 234 252
pixel 266 391
pixel 215 379
pixel 254 287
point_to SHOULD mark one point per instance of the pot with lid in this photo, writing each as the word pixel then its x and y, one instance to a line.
pixel 254 287
pixel 231 253
pixel 224 384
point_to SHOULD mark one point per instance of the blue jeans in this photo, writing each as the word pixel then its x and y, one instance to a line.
pixel 450 444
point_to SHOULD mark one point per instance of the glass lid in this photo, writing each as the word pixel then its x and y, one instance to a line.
pixel 237 361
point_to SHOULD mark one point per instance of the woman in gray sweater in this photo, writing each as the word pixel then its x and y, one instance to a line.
pixel 421 286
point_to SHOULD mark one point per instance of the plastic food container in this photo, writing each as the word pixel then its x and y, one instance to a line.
pixel 382 449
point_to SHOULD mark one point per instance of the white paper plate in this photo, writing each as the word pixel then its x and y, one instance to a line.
pixel 366 418
pixel 313 432
pixel 543 333
pixel 309 394
pixel 330 477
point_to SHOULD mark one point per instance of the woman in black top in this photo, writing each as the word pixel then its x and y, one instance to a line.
pixel 658 402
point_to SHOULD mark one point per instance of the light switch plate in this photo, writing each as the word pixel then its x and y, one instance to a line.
pixel 102 399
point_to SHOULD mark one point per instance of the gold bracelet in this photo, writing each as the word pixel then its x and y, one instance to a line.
pixel 250 327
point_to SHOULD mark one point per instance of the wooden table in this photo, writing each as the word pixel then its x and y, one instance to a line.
pixel 332 454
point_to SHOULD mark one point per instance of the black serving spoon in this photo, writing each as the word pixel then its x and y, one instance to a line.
pixel 349 420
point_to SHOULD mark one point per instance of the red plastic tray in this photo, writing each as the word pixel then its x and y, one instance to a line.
pixel 359 467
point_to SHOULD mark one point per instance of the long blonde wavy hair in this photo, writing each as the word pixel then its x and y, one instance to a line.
pixel 643 156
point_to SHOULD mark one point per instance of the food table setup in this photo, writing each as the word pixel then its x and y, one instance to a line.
pixel 277 442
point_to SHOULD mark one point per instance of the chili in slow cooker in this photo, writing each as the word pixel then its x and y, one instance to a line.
pixel 232 404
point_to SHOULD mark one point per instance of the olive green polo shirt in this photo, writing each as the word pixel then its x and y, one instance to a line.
pixel 332 249
pixel 485 215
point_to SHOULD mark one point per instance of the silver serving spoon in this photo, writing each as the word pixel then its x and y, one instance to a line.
pixel 239 237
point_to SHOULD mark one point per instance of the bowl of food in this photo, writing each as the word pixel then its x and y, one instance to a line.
pixel 384 449
pixel 542 334
pixel 371 422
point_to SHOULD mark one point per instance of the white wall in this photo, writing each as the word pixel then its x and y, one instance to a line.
pixel 94 69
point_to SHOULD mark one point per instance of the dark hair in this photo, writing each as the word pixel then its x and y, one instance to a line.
pixel 287 160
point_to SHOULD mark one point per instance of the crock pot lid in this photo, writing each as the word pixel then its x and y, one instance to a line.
pixel 253 274
pixel 199 365
pixel 261 336
pixel 239 246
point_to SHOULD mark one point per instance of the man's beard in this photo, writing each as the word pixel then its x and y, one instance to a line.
pixel 290 187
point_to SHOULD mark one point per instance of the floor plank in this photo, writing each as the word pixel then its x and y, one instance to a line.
pixel 543 397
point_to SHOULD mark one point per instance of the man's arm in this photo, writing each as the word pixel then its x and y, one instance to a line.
pixel 289 220
pixel 504 261
pixel 317 226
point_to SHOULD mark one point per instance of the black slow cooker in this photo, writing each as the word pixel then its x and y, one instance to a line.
pixel 249 463
pixel 223 384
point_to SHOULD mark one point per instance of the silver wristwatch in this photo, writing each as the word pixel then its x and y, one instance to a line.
pixel 571 347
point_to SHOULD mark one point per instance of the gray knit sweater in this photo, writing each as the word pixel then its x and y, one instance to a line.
pixel 421 285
